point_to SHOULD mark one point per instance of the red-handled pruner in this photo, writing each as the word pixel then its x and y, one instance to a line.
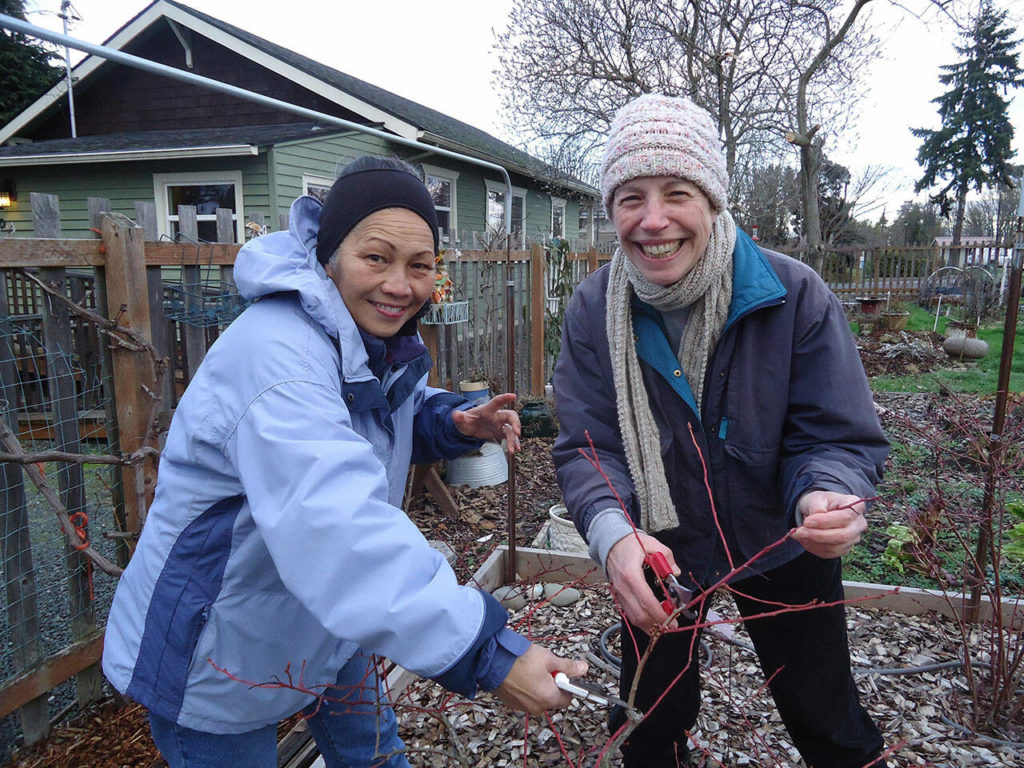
pixel 676 594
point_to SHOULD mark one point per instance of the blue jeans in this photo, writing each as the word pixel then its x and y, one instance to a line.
pixel 353 726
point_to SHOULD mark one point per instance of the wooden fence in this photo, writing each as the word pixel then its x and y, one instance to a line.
pixel 74 383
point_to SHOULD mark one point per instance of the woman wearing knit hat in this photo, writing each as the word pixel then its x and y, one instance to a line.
pixel 726 401
pixel 276 560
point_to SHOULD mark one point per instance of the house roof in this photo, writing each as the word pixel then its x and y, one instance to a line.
pixel 394 113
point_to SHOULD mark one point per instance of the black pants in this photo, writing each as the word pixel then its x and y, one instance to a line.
pixel 804 653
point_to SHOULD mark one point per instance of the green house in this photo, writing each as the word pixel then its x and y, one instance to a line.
pixel 144 137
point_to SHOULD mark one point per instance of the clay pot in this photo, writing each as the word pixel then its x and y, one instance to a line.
pixel 477 391
pixel 562 533
pixel 870 305
pixel 537 420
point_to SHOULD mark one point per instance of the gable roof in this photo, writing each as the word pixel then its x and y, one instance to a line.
pixel 393 113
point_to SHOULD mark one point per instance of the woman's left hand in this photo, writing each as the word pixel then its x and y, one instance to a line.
pixel 491 421
pixel 832 523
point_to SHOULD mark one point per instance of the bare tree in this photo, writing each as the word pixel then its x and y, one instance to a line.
pixel 805 134
pixel 993 214
pixel 566 66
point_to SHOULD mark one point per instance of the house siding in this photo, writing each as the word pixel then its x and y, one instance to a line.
pixel 319 157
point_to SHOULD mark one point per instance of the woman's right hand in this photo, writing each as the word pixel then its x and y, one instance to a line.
pixel 625 567
pixel 530 684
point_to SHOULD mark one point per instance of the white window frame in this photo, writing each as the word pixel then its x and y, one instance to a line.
pixel 499 188
pixel 310 180
pixel 558 202
pixel 161 181
pixel 452 177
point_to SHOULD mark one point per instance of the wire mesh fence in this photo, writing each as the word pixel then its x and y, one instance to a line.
pixel 53 403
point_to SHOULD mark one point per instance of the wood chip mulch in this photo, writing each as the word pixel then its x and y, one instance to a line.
pixel 738 725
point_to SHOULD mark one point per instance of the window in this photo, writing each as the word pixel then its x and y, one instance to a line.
pixel 208 192
pixel 496 211
pixel 316 186
pixel 441 183
pixel 557 217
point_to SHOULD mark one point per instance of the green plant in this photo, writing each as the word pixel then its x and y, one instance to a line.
pixel 1014 549
pixel 896 555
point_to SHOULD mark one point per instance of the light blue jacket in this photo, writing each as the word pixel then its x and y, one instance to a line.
pixel 275 546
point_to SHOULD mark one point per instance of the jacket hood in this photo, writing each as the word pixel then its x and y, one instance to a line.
pixel 286 261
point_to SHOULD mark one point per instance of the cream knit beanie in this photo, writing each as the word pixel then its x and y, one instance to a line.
pixel 656 135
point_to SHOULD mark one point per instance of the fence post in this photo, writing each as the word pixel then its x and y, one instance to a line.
pixel 191 281
pixel 71 477
pixel 16 545
pixel 537 297
pixel 134 378
pixel 592 260
pixel 226 234
pixel 429 335
pixel 159 327
pixel 98 207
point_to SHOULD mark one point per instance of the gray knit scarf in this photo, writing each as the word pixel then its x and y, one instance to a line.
pixel 707 290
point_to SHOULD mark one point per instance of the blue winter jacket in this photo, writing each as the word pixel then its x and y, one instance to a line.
pixel 786 409
pixel 275 545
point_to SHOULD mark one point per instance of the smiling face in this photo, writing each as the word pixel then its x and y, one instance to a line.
pixel 384 270
pixel 664 224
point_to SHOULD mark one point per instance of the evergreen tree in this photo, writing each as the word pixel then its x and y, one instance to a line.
pixel 834 207
pixel 973 146
pixel 915 224
pixel 25 69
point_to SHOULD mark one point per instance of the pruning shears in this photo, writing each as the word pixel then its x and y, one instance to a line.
pixel 589 692
pixel 676 595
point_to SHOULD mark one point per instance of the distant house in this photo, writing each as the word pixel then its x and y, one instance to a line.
pixel 146 137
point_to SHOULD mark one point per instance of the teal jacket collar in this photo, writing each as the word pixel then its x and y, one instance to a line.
pixel 754 284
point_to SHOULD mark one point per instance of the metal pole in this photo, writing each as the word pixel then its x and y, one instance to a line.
pixel 995 443
pixel 215 85
pixel 510 377
pixel 65 10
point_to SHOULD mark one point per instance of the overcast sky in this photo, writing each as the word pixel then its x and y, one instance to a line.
pixel 440 53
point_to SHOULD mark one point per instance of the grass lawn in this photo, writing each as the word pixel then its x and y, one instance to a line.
pixel 979 377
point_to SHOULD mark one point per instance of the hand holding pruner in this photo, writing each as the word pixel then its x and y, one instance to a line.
pixel 592 693
pixel 676 595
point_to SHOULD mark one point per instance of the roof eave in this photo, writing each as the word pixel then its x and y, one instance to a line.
pixel 447 143
pixel 130 155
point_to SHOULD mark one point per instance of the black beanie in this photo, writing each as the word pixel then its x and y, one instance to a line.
pixel 365 186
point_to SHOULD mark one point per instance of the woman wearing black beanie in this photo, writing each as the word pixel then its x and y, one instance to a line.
pixel 276 561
